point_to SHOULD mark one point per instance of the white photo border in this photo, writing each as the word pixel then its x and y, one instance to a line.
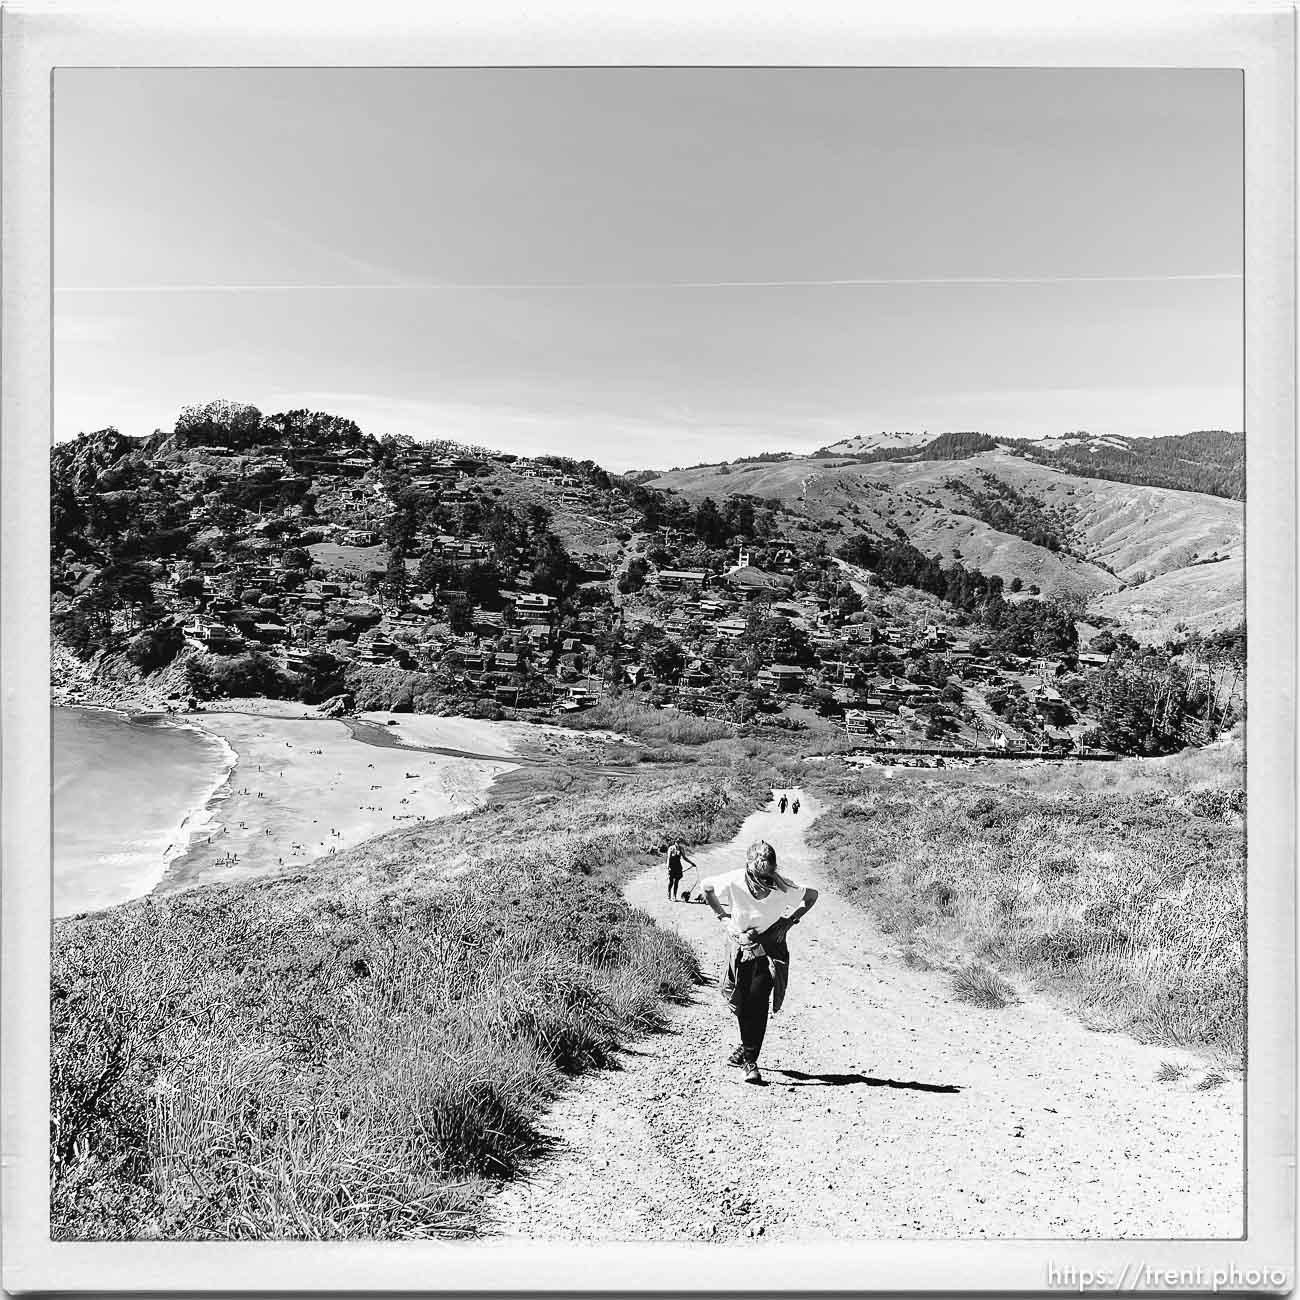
pixel 1259 41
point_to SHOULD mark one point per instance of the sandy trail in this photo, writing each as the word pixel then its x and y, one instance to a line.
pixel 893 1111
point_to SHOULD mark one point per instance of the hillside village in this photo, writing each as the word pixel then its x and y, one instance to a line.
pixel 294 556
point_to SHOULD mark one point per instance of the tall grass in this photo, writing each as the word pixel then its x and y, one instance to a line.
pixel 1129 904
pixel 358 1048
pixel 625 714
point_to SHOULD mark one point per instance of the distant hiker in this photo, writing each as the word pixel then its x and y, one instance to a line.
pixel 794 806
pixel 759 906
pixel 782 804
pixel 676 856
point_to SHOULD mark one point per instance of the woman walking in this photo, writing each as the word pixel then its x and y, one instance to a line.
pixel 759 906
pixel 676 856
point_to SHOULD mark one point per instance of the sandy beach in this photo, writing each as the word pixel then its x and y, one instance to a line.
pixel 304 787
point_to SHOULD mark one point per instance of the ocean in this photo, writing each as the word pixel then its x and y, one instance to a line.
pixel 127 796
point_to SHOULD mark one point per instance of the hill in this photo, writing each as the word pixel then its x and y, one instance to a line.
pixel 1066 534
pixel 865 442
pixel 1212 461
pixel 293 556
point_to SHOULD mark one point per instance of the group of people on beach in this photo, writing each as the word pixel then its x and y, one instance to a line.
pixel 759 906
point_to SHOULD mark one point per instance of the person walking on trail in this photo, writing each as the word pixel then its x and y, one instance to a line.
pixel 759 906
pixel 781 805
pixel 676 856
pixel 794 804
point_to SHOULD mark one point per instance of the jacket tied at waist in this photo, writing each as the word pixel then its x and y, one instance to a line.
pixel 771 947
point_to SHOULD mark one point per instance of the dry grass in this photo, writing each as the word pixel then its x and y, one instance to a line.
pixel 627 715
pixel 357 1049
pixel 1127 902
pixel 982 987
pixel 1169 1072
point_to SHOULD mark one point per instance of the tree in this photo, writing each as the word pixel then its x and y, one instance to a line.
pixel 221 423
pixel 634 577
pixel 539 518
pixel 479 582
pixel 665 659
pixel 154 647
pixel 459 612
pixel 434 572
pixel 708 525
pixel 553 571
pixel 401 528
pixel 396 582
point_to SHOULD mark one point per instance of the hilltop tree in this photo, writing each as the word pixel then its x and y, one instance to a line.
pixel 314 429
pixel 221 423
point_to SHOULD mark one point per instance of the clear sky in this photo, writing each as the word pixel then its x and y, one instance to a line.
pixel 652 267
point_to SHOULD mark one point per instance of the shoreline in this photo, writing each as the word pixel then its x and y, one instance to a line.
pixel 293 786
pixel 303 787
pixel 125 870
pixel 199 816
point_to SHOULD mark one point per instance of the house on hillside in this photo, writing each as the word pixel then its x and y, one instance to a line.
pixel 1052 709
pixel 215 637
pixel 539 636
pixel 697 675
pixel 535 607
pixel 678 579
pixel 783 678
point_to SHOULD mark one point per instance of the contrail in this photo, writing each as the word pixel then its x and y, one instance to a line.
pixel 445 286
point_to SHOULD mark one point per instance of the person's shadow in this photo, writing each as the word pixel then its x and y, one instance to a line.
pixel 802 1080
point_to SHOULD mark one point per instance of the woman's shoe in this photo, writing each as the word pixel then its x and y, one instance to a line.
pixel 752 1075
pixel 737 1058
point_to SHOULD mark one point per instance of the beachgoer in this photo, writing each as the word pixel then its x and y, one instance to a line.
pixel 676 856
pixel 759 906
pixel 781 805
pixel 794 804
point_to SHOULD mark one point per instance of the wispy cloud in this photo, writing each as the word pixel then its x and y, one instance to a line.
pixel 560 286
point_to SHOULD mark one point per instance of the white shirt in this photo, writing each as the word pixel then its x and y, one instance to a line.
pixel 748 912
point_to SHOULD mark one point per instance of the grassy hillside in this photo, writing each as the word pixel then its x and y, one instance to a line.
pixel 1206 596
pixel 1209 460
pixel 1117 887
pixel 1119 533
pixel 356 1049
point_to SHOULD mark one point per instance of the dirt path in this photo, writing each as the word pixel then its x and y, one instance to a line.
pixel 893 1110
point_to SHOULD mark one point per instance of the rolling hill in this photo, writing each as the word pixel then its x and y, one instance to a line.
pixel 1148 557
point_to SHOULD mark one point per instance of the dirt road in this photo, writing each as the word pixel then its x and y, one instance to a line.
pixel 892 1110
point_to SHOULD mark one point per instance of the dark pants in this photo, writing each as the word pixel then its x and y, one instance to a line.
pixel 673 882
pixel 753 995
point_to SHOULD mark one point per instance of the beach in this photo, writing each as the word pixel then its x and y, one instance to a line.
pixel 305 787
pixel 270 784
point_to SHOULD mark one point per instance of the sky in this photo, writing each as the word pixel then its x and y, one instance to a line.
pixel 651 267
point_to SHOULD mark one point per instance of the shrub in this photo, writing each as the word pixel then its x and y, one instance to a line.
pixel 155 647
pixel 982 987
